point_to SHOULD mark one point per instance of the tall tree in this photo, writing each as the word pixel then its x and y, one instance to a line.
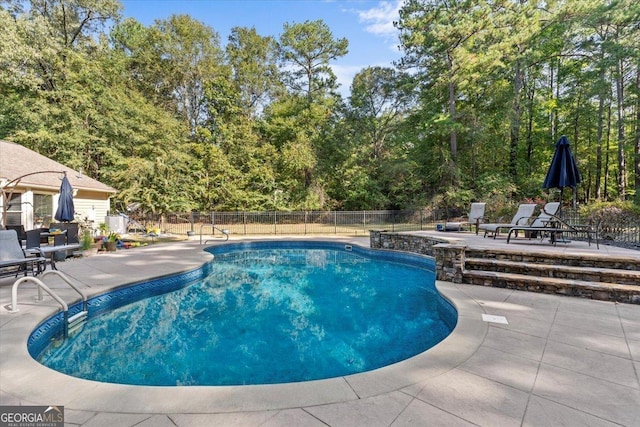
pixel 253 60
pixel 306 51
pixel 636 150
pixel 379 99
pixel 435 36
pixel 192 56
pixel 70 25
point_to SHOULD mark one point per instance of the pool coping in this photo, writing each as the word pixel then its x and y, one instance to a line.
pixel 28 380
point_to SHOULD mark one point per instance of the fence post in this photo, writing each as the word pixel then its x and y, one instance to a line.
pixel 275 222
pixel 244 222
pixel 305 222
pixel 335 222
pixel 191 221
pixel 364 222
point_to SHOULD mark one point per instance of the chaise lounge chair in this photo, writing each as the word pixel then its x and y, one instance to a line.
pixel 522 217
pixel 12 258
pixel 541 223
pixel 549 224
pixel 476 215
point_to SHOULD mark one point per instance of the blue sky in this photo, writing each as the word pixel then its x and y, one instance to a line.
pixel 367 24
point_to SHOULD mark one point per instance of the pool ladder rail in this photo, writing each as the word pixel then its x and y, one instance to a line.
pixel 71 324
pixel 225 232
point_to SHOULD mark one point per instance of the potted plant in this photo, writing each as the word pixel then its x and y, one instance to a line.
pixel 87 245
pixel 103 228
pixel 112 241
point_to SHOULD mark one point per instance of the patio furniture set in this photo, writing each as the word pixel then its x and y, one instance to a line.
pixel 29 252
pixel 548 223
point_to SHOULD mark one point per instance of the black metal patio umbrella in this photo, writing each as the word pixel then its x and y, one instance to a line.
pixel 563 170
pixel 65 202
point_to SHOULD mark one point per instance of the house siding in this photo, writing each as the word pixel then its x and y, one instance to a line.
pixel 92 209
pixel 41 175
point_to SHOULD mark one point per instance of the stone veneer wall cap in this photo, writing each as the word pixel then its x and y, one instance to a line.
pixel 450 245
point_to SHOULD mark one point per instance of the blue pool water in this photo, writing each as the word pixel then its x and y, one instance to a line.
pixel 262 314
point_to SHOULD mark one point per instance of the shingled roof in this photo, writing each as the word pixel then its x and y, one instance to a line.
pixel 17 160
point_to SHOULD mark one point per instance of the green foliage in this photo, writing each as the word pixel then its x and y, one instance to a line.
pixel 174 122
pixel 307 49
pixel 607 209
pixel 86 241
pixel 253 59
pixel 498 193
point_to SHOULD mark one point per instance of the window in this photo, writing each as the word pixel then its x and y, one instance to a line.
pixel 14 210
pixel 42 209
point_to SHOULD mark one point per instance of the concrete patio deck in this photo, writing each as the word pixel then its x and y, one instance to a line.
pixel 558 361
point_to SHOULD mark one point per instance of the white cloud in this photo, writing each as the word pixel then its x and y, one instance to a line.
pixel 379 20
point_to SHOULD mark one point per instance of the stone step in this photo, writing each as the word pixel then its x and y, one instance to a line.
pixel 591 274
pixel 571 259
pixel 552 285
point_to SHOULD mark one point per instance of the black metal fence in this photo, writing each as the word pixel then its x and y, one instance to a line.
pixel 278 222
pixel 619 230
pixel 624 231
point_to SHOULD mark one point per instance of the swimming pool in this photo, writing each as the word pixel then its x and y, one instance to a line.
pixel 329 332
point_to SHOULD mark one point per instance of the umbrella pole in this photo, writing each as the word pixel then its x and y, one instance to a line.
pixel 560 207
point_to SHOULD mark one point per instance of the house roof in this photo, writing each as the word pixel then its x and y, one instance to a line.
pixel 17 160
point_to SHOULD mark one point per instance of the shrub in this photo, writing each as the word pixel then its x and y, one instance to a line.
pixel 615 220
pixel 87 240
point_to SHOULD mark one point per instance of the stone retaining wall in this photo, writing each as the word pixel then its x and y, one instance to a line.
pixel 449 257
pixel 382 239
pixel 579 260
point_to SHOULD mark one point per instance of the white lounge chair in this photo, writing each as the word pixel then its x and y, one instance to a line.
pixel 475 217
pixel 542 221
pixel 547 223
pixel 547 213
pixel 522 217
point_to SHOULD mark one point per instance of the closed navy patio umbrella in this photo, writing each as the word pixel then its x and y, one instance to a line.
pixel 563 170
pixel 65 202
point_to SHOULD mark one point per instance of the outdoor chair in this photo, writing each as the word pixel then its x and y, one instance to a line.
pixel 13 260
pixel 522 217
pixel 22 235
pixel 33 238
pixel 540 223
pixel 475 217
pixel 549 224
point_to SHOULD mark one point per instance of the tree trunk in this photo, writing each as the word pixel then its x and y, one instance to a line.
pixel 453 145
pixel 530 112
pixel 551 111
pixel 606 154
pixel 576 121
pixel 515 122
pixel 637 142
pixel 622 166
pixel 599 138
pixel 453 140
pixel 556 117
pixel 588 188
